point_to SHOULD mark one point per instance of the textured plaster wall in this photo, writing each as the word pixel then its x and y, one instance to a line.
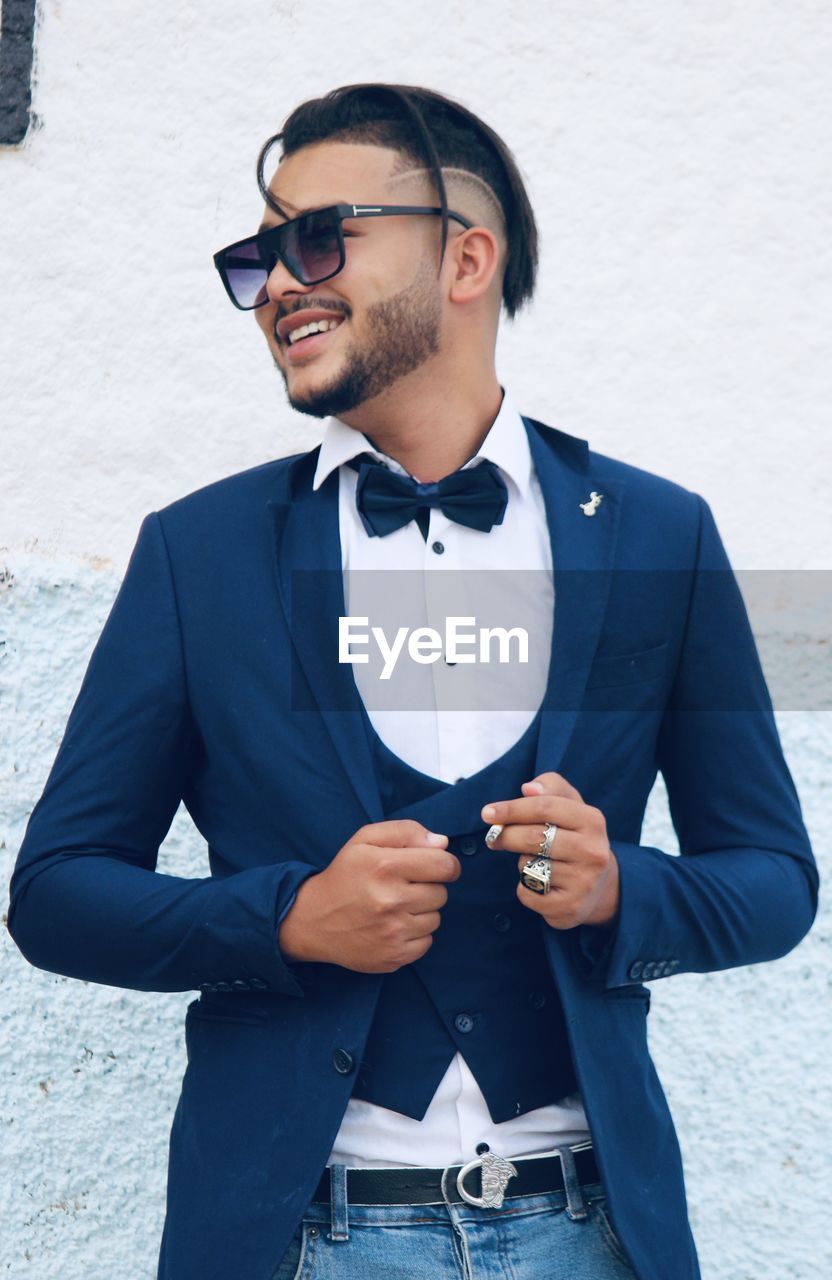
pixel 677 156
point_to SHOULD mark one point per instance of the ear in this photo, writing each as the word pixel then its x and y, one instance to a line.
pixel 473 259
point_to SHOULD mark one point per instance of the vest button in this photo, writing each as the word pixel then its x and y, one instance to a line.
pixel 464 1022
pixel 468 845
pixel 343 1062
pixel 501 922
pixel 537 999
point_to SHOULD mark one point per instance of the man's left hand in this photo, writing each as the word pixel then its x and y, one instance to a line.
pixel 584 878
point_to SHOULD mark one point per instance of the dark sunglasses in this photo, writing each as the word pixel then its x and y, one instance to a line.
pixel 310 247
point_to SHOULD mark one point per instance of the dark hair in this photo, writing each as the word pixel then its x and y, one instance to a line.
pixel 429 129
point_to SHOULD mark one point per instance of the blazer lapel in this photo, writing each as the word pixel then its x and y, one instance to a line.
pixel 583 553
pixel 307 546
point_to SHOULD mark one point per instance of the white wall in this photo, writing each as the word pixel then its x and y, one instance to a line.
pixel 677 157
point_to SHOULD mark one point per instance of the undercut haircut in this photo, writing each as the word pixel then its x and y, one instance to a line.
pixel 428 130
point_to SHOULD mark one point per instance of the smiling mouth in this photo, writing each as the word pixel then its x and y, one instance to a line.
pixel 309 330
pixel 308 339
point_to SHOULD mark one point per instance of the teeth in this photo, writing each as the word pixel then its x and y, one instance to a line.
pixel 317 326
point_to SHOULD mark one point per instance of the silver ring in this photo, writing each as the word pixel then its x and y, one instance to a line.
pixel 548 838
pixel 537 874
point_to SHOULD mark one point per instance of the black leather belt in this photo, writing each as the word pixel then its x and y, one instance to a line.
pixel 535 1174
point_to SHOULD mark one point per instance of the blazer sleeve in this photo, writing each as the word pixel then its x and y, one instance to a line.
pixel 745 888
pixel 86 899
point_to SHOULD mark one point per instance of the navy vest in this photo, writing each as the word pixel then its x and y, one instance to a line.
pixel 484 988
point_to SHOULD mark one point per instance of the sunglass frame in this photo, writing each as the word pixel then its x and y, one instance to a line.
pixel 272 239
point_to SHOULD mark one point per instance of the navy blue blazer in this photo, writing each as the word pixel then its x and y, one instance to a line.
pixel 207 687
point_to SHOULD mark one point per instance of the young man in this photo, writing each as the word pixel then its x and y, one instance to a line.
pixel 420 1046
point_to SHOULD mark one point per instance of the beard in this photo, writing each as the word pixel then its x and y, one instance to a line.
pixel 403 333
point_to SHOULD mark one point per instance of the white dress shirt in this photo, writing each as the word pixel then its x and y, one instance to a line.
pixel 421 717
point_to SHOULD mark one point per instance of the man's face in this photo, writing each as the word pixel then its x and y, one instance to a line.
pixel 386 299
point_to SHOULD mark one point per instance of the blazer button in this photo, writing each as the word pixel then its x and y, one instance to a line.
pixel 464 1022
pixel 222 986
pixel 257 984
pixel 468 845
pixel 240 984
pixel 649 970
pixel 635 969
pixel 537 999
pixel 343 1062
pixel 206 986
pixel 501 922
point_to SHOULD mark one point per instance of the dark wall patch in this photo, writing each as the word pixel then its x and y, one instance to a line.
pixel 17 39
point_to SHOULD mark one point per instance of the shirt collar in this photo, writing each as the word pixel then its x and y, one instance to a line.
pixel 506 444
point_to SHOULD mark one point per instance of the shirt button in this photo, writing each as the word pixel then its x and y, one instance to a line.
pixel 461 778
pixel 501 922
pixel 438 547
pixel 468 845
pixel 464 1022
pixel 343 1062
pixel 537 999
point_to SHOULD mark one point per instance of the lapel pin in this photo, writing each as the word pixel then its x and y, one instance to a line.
pixel 589 508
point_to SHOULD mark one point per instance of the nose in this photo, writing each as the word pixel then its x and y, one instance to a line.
pixel 280 283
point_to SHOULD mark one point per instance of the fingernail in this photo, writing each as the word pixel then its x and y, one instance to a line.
pixel 488 813
pixel 537 786
pixel 435 838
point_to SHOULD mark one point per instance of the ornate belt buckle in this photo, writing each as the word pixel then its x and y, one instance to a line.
pixel 496 1172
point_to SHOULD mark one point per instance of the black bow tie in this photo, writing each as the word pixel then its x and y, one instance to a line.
pixel 474 496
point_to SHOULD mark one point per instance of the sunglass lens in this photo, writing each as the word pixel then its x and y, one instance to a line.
pixel 246 274
pixel 313 246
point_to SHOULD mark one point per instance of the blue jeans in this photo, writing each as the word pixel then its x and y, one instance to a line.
pixel 528 1238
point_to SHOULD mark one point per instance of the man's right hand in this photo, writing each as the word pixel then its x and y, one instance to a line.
pixel 376 906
